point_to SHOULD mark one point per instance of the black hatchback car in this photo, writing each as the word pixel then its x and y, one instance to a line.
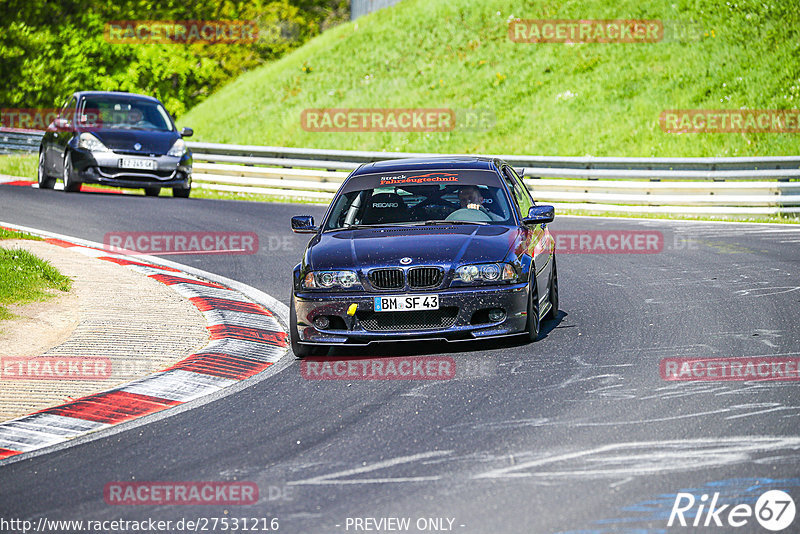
pixel 435 248
pixel 117 139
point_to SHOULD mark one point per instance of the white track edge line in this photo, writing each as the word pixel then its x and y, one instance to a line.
pixel 279 310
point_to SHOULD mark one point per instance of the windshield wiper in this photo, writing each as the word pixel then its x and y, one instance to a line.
pixel 394 225
pixel 360 226
pixel 448 223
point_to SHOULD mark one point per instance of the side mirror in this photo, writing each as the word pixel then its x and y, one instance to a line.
pixel 303 224
pixel 187 132
pixel 540 215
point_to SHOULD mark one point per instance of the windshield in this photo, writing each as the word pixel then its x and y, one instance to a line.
pixel 453 197
pixel 125 114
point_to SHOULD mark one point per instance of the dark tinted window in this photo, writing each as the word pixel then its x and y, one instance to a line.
pixel 518 190
pixel 126 114
pixel 68 111
pixel 420 197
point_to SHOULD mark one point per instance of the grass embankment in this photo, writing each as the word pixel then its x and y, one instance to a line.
pixel 551 99
pixel 22 165
pixel 25 278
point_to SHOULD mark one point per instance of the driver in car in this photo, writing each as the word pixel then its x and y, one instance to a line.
pixel 472 209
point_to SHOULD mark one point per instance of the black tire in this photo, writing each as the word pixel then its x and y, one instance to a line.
pixel 45 181
pixel 534 322
pixel 180 192
pixel 553 297
pixel 152 191
pixel 300 350
pixel 70 184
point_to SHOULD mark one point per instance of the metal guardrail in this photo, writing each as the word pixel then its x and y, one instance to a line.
pixel 758 186
pixel 19 141
pixel 646 185
pixel 325 157
pixel 359 8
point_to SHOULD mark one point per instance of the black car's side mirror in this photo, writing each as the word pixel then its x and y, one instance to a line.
pixel 303 224
pixel 540 215
pixel 187 132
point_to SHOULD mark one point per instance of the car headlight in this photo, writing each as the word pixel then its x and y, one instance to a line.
pixel 178 148
pixel 91 143
pixel 486 272
pixel 330 280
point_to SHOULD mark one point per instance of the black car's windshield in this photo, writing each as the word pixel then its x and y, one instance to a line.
pixel 421 198
pixel 124 114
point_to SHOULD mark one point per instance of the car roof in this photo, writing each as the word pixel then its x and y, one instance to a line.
pixel 133 96
pixel 427 163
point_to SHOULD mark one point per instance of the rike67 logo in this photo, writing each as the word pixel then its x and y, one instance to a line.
pixel 774 510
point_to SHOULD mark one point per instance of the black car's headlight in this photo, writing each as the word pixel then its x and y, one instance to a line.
pixel 486 273
pixel 91 143
pixel 178 148
pixel 331 280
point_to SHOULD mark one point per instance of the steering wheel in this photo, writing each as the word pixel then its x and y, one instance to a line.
pixel 470 215
pixel 145 125
pixel 419 211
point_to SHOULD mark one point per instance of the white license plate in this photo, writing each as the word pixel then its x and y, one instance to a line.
pixel 407 303
pixel 130 163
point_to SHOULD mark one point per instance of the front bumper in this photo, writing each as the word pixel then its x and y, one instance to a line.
pixel 103 168
pixel 470 306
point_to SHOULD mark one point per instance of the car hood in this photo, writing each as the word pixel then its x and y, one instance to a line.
pixel 371 247
pixel 124 140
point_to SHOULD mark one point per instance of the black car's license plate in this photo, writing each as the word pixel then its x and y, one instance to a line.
pixel 131 163
pixel 407 303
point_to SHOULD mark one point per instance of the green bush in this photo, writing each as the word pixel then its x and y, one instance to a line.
pixel 50 48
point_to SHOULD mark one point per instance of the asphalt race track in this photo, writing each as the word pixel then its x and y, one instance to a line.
pixel 575 433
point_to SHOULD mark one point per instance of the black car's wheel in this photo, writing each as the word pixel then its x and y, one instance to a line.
pixel 553 313
pixel 300 350
pixel 45 181
pixel 532 327
pixel 70 184
pixel 181 192
pixel 152 191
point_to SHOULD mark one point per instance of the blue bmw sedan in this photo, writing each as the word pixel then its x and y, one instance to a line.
pixel 451 248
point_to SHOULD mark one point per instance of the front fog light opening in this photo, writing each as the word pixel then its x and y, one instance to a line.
pixel 496 315
pixel 322 322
